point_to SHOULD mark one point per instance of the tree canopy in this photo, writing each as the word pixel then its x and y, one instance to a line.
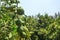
pixel 15 25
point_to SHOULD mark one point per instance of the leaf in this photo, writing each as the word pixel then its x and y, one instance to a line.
pixel 24 33
pixel 10 35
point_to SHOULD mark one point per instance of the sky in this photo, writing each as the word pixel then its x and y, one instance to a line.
pixel 33 7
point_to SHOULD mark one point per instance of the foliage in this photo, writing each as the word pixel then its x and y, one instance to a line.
pixel 15 25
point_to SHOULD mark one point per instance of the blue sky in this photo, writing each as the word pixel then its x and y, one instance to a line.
pixel 33 7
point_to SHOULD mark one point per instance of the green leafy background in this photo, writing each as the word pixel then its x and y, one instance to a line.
pixel 15 25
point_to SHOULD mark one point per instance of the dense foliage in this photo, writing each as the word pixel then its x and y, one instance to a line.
pixel 15 25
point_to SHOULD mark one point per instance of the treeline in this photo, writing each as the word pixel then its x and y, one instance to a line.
pixel 15 25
